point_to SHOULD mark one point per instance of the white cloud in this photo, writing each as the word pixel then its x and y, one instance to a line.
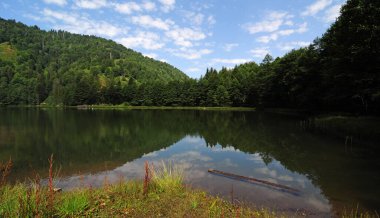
pixel 268 38
pixel 317 6
pixel 194 18
pixel 146 40
pixel 229 46
pixel 260 52
pixel 190 54
pixel 291 45
pixel 81 24
pixel 57 2
pixel 286 32
pixel 148 21
pixel 332 13
pixel 185 36
pixel 167 5
pixel 130 7
pixel 91 4
pixel 272 22
pixel 230 61
pixel 149 6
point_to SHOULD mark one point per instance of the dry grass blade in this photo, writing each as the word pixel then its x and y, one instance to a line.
pixel 5 169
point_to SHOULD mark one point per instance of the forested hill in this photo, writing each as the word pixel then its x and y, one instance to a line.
pixel 60 67
pixel 338 72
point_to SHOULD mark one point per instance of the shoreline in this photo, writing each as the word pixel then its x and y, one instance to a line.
pixel 128 107
pixel 162 192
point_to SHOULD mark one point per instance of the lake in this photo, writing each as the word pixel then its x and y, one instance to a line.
pixel 94 146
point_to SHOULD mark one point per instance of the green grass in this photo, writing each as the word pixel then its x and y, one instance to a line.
pixel 166 196
pixel 74 203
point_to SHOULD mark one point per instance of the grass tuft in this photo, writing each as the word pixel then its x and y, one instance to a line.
pixel 167 176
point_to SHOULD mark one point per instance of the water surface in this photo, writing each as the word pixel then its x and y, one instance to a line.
pixel 93 146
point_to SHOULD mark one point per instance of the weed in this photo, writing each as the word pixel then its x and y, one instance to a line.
pixel 51 186
pixel 5 170
pixel 146 178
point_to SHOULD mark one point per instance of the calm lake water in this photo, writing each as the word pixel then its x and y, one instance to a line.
pixel 93 146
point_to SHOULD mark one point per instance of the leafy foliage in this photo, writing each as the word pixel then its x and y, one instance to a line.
pixel 62 68
pixel 339 71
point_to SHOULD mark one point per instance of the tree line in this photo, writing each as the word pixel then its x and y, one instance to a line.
pixel 338 71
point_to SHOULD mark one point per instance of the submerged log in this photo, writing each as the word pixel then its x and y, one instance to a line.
pixel 250 179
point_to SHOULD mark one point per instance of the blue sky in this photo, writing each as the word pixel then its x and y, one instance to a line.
pixel 191 35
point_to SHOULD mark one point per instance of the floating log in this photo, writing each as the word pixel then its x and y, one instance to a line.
pixel 250 179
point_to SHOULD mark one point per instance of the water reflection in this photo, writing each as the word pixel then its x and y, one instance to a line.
pixel 192 155
pixel 93 145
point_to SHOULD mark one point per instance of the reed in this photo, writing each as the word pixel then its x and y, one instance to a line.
pixel 50 184
pixel 5 170
pixel 146 178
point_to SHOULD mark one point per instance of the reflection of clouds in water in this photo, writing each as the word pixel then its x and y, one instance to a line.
pixel 228 162
pixel 322 204
pixel 192 140
pixel 266 171
pixel 193 156
pixel 255 157
pixel 301 182
pixel 219 148
pixel 286 178
pixel 190 156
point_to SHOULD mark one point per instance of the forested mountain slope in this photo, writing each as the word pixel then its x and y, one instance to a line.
pixel 61 67
pixel 340 71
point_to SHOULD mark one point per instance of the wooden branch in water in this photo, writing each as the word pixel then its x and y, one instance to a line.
pixel 245 178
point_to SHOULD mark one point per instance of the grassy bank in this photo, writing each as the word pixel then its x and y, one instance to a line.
pixel 160 194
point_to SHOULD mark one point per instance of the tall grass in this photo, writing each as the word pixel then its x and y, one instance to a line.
pixel 161 193
pixel 5 170
pixel 167 176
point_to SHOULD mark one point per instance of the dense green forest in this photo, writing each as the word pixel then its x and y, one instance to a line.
pixel 58 67
pixel 338 71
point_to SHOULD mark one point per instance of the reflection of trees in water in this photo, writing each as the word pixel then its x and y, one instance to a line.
pixel 84 137
pixel 343 176
pixel 91 137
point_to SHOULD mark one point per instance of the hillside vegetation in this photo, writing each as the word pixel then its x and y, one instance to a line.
pixel 60 67
pixel 338 72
